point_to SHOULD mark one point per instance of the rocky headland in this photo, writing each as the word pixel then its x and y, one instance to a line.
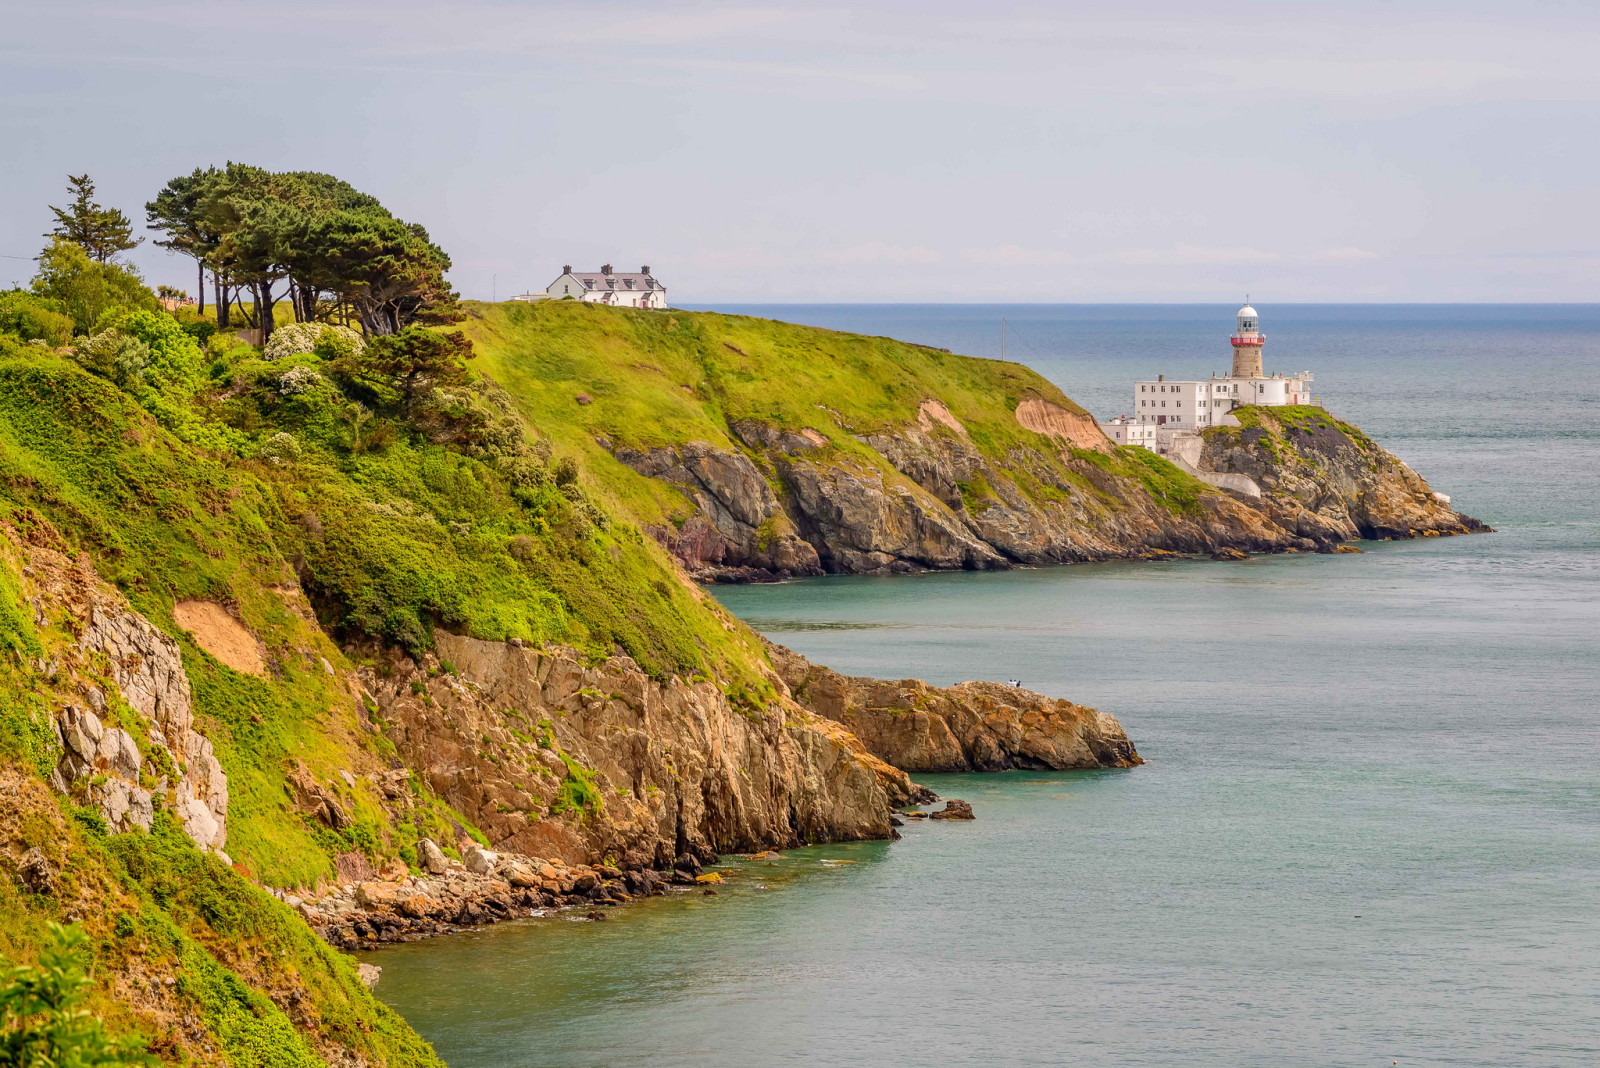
pixel 786 501
pixel 973 726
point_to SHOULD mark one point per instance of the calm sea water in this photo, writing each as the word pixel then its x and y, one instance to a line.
pixel 1368 831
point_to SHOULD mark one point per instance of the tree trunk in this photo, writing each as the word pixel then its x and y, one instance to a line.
pixel 223 297
pixel 200 286
pixel 264 303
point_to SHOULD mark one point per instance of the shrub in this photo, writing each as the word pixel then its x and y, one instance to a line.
pixel 300 339
pixel 34 318
pixel 41 1023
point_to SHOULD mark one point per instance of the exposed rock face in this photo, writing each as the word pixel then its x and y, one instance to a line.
pixel 1327 481
pixel 106 764
pixel 1052 420
pixel 791 504
pixel 403 908
pixel 551 757
pixel 739 522
pixel 954 809
pixel 976 726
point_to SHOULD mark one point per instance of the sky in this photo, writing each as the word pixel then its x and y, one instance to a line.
pixel 873 151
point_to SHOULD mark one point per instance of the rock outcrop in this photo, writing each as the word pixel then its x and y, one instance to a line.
pixel 553 757
pixel 486 888
pixel 1325 480
pixel 927 497
pixel 124 777
pixel 975 726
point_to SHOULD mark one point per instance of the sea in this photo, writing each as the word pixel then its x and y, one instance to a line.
pixel 1367 831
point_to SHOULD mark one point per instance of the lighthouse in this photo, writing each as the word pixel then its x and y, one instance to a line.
pixel 1247 341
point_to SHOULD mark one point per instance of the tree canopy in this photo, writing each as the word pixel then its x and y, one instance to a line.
pixel 334 251
pixel 85 289
pixel 101 232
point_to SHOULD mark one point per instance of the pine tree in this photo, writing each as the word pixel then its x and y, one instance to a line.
pixel 102 232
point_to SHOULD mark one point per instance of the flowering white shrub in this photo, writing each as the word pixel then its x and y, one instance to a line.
pixel 297 339
pixel 297 380
pixel 281 448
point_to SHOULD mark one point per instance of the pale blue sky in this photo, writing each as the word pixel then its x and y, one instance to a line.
pixel 922 151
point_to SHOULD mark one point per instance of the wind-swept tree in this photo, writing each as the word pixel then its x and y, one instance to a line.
pixel 101 232
pixel 333 250
pixel 389 272
pixel 176 212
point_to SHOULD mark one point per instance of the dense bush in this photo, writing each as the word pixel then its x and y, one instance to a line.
pixel 34 318
pixel 297 339
pixel 86 290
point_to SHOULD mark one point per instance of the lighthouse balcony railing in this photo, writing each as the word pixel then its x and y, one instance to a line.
pixel 1248 339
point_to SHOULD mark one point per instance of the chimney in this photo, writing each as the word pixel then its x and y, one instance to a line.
pixel 605 268
pixel 1161 378
pixel 566 268
pixel 645 269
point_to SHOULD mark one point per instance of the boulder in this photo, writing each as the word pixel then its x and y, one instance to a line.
pixel 478 860
pixel 431 857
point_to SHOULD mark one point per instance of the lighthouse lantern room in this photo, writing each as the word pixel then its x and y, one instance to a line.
pixel 1247 341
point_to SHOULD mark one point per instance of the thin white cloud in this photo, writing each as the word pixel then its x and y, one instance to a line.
pixel 1192 255
pixel 1016 256
pixel 876 253
pixel 1347 254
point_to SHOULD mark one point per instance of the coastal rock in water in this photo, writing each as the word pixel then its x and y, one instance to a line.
pixel 976 726
pixel 740 524
pixel 954 809
pixel 931 498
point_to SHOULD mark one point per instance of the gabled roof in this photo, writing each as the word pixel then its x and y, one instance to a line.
pixel 618 281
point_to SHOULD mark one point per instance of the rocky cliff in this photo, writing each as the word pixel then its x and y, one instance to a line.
pixel 552 756
pixel 1324 479
pixel 975 726
pixel 754 449
pixel 783 504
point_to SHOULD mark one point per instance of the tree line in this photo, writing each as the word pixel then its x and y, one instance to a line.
pixel 335 253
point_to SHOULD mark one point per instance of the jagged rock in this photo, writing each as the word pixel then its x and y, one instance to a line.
pixel 790 504
pixel 432 858
pixel 147 668
pixel 478 861
pixel 954 809
pixel 1327 481
pixel 37 874
pixel 677 768
pixel 739 522
pixel 976 726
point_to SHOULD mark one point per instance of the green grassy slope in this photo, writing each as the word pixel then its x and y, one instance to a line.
pixel 238 482
pixel 665 377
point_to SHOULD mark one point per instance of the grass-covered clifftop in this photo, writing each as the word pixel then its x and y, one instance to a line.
pixel 648 378
pixel 875 454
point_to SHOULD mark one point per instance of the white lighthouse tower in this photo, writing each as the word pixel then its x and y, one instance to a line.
pixel 1247 341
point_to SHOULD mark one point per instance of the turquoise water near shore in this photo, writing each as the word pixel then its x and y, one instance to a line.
pixel 1369 828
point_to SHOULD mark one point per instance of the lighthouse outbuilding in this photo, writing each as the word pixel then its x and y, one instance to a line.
pixel 1166 411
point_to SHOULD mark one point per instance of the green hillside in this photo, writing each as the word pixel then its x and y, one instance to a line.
pixel 665 377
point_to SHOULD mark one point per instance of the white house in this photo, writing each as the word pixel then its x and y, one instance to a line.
pixel 605 286
pixel 1191 406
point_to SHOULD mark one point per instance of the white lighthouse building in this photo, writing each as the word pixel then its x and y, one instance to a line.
pixel 1167 409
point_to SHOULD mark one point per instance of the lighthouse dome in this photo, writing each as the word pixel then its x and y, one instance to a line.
pixel 1247 312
